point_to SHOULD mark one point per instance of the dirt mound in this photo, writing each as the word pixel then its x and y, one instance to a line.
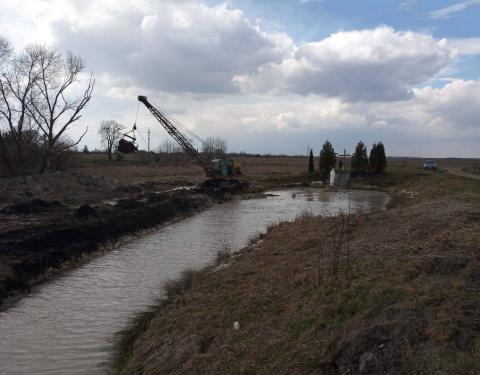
pixel 376 347
pixel 86 211
pixel 31 207
pixel 68 188
pixel 218 187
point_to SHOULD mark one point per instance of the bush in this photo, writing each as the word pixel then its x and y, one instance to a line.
pixel 20 154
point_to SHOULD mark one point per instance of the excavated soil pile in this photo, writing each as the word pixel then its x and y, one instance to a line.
pixel 31 207
pixel 66 187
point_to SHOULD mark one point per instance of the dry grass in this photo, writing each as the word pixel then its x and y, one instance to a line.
pixel 136 168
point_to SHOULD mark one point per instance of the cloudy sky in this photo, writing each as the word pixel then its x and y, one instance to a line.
pixel 276 76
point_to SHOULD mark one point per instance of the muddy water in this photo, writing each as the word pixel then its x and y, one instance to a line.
pixel 66 326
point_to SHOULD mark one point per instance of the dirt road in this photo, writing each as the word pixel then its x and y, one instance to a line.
pixel 459 172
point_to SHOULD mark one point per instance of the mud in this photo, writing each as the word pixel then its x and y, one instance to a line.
pixel 221 187
pixel 27 254
pixel 31 206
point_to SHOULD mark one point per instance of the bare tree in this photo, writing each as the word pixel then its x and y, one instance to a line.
pixel 110 132
pixel 214 147
pixel 5 48
pixel 53 107
pixel 169 152
pixel 18 77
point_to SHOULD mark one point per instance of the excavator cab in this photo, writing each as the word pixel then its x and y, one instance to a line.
pixel 223 168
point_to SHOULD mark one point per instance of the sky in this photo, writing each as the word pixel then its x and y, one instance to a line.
pixel 274 76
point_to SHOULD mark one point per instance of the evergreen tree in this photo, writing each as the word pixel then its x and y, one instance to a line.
pixel 360 158
pixel 327 158
pixel 310 161
pixel 378 159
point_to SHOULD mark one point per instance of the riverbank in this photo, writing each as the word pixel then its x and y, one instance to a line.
pixel 402 297
pixel 32 254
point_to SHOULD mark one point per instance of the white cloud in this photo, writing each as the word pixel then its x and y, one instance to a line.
pixel 454 107
pixel 187 46
pixel 408 4
pixel 465 46
pixel 371 65
pixel 432 117
pixel 447 12
pixel 171 46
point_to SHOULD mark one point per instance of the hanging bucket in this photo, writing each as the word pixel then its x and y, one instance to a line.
pixel 126 147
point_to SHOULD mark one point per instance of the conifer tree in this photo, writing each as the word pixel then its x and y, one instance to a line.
pixel 378 159
pixel 360 158
pixel 327 158
pixel 310 161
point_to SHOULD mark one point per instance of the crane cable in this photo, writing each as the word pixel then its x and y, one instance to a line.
pixel 135 126
pixel 180 125
pixel 136 116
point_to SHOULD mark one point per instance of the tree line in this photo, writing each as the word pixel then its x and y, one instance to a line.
pixel 42 94
pixel 360 161
pixel 168 151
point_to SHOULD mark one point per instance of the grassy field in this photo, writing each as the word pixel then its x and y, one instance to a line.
pixel 270 172
pixel 137 168
pixel 403 297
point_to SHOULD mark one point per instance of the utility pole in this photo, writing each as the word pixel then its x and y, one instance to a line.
pixel 148 140
pixel 148 144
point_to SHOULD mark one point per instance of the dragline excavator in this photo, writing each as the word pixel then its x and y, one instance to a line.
pixel 216 168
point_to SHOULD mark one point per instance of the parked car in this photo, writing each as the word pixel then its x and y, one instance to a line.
pixel 430 164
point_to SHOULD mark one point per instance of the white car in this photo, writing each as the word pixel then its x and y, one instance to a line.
pixel 430 164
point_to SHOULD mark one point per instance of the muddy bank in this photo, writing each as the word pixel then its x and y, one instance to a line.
pixel 29 255
pixel 409 302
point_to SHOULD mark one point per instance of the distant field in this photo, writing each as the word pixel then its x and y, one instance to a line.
pixel 138 168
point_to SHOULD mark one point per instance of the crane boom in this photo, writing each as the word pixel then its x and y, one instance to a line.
pixel 171 129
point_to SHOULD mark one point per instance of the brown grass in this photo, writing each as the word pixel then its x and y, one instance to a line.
pixel 136 168
pixel 406 260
